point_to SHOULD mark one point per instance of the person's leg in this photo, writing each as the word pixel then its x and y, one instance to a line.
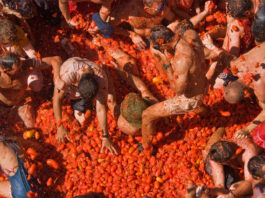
pixel 126 128
pixel 5 189
pixel 27 115
pixel 174 106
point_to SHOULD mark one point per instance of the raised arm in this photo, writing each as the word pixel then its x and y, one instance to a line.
pixel 199 17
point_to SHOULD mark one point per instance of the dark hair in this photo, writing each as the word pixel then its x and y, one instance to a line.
pixel 258 25
pixel 161 35
pixel 23 7
pixel 7 60
pixel 221 151
pixel 238 8
pixel 149 3
pixel 8 31
pixel 92 195
pixel 234 92
pixel 88 86
pixel 255 165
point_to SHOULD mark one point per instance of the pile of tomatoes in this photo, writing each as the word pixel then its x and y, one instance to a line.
pixel 78 166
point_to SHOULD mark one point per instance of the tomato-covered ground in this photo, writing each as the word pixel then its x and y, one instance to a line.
pixel 79 166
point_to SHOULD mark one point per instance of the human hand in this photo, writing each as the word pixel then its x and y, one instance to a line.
pixel 106 143
pixel 207 6
pixel 61 134
pixel 93 29
pixel 208 41
pixel 138 41
pixel 242 133
pixel 198 10
pixel 72 23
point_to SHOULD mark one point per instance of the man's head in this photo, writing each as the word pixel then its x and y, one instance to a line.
pixel 234 92
pixel 258 25
pixel 222 151
pixel 26 8
pixel 161 36
pixel 154 7
pixel 9 62
pixel 8 32
pixel 88 86
pixel 256 167
pixel 239 8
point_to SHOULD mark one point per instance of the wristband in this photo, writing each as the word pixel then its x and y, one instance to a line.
pixel 166 66
pixel 106 135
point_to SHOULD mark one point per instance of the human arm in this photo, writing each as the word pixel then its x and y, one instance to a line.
pixel 218 174
pixel 101 109
pixel 199 17
pixel 210 50
pixel 58 96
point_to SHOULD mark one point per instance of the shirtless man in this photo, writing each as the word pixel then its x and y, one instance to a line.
pixel 256 167
pixel 84 83
pixel 184 62
pixel 13 83
pixel 220 157
pixel 13 39
pixel 104 11
pixel 142 15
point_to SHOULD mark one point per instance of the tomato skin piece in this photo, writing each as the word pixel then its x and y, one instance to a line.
pixel 52 163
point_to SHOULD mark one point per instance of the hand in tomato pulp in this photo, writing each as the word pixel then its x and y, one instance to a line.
pixel 106 143
pixel 61 134
pixel 138 41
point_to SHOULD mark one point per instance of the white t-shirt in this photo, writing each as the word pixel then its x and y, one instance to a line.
pixel 72 70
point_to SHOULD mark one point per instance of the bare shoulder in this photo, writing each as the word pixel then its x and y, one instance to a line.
pixel 183 59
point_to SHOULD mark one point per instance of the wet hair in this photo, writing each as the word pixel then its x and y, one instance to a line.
pixel 23 7
pixel 221 151
pixel 238 8
pixel 258 25
pixel 88 86
pixel 8 31
pixel 92 195
pixel 7 60
pixel 234 92
pixel 161 35
pixel 255 165
pixel 150 3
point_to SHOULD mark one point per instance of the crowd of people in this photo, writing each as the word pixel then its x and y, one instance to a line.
pixel 191 62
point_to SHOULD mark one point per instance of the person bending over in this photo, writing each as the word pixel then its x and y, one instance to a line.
pixel 221 158
pixel 256 167
pixel 84 83
pixel 142 16
pixel 13 83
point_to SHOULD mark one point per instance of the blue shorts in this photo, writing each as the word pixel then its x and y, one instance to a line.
pixel 20 186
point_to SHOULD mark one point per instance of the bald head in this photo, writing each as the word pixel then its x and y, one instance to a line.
pixel 234 92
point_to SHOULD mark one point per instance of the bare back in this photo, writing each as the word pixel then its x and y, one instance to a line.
pixel 189 57
pixel 133 12
pixel 252 64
